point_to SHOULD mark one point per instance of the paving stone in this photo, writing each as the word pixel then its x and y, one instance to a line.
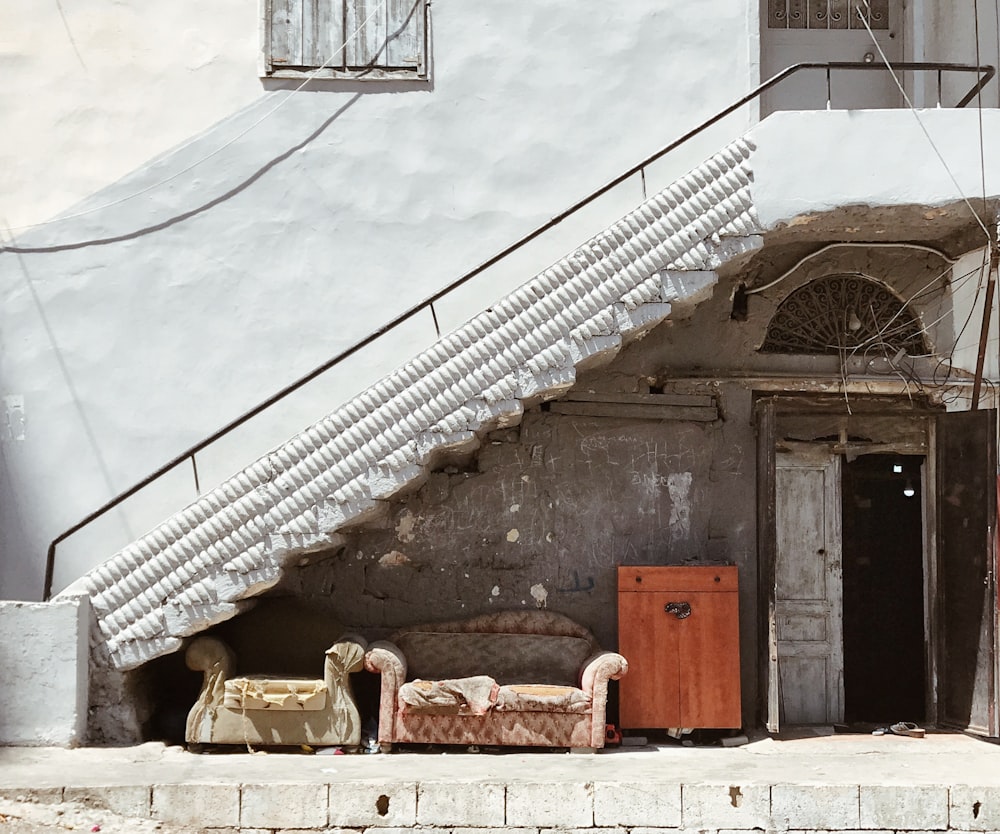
pixel 46 796
pixel 363 804
pixel 470 804
pixel 636 829
pixel 726 806
pixel 845 831
pixel 125 800
pixel 344 831
pixel 497 830
pixel 205 805
pixel 598 830
pixel 284 805
pixel 550 804
pixel 629 803
pixel 974 808
pixel 815 807
pixel 252 831
pixel 898 807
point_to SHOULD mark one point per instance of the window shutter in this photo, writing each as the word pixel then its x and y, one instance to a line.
pixel 366 24
pixel 349 35
pixel 405 48
pixel 286 33
pixel 323 33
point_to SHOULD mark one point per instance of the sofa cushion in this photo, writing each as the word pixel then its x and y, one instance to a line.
pixel 508 658
pixel 533 697
pixel 263 692
pixel 461 696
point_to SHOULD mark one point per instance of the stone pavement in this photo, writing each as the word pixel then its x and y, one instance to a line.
pixel 849 783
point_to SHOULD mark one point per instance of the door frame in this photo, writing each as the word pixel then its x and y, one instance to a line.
pixel 767 408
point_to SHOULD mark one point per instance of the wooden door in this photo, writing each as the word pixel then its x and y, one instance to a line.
pixel 809 589
pixel 794 31
pixel 967 489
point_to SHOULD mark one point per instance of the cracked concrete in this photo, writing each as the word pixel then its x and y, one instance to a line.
pixel 817 781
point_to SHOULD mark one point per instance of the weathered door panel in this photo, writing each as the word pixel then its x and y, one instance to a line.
pixel 967 593
pixel 809 589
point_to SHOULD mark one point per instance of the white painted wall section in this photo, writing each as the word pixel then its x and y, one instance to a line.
pixel 873 158
pixel 44 672
pixel 232 264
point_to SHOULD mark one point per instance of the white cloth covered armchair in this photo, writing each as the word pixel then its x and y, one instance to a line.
pixel 266 710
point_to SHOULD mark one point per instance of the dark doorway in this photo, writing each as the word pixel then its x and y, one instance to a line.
pixel 883 541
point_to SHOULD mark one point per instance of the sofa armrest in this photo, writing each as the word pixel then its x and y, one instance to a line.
pixel 597 670
pixel 345 656
pixel 385 659
pixel 213 657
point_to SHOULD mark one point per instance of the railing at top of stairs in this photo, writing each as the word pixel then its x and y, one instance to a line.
pixel 984 74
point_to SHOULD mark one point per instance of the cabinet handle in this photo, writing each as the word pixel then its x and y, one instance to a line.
pixel 681 610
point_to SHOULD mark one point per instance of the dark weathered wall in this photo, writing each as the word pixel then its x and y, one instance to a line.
pixel 552 507
pixel 546 512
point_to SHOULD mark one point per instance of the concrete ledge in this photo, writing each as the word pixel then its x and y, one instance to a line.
pixel 124 800
pixel 284 805
pixel 726 806
pixel 202 805
pixel 629 804
pixel 373 804
pixel 550 804
pixel 44 703
pixel 972 808
pixel 815 807
pixel 474 805
pixel 841 785
pixel 899 807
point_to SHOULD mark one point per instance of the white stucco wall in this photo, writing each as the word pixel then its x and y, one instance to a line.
pixel 97 89
pixel 44 662
pixel 873 158
pixel 332 213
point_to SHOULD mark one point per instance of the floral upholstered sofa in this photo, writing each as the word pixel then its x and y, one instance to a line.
pixel 272 710
pixel 521 678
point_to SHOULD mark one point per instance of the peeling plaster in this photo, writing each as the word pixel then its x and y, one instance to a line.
pixel 540 595
pixel 405 527
pixel 679 489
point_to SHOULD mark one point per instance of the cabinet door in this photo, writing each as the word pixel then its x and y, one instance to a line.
pixel 649 695
pixel 710 662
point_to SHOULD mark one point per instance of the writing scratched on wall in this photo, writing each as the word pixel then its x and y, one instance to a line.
pixel 577 587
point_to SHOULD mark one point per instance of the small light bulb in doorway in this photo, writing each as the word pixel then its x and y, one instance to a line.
pixel 897 469
pixel 908 490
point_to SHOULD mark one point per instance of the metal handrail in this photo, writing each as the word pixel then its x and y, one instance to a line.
pixel 985 73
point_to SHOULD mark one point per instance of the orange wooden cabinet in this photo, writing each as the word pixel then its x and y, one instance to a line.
pixel 678 627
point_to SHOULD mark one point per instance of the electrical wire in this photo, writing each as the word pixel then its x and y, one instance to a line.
pixel 309 78
pixel 852 244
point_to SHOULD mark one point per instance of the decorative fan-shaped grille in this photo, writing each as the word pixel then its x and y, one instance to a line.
pixel 843 312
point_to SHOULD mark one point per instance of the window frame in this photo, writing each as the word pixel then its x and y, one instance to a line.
pixel 418 71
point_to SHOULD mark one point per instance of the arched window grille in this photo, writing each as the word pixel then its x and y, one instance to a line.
pixel 839 313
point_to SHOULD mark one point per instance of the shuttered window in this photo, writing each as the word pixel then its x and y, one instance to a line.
pixel 365 39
